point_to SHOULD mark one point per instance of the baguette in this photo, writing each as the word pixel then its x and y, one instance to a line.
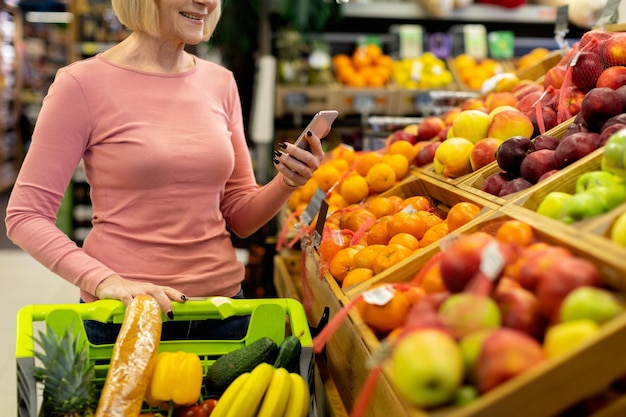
pixel 132 360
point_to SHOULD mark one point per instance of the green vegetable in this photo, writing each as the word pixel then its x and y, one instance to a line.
pixel 229 366
pixel 289 354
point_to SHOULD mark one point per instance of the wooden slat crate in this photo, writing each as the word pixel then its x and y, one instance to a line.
pixel 537 70
pixel 551 387
pixel 365 100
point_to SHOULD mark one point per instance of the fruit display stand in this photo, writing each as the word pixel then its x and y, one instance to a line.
pixel 548 388
pixel 274 318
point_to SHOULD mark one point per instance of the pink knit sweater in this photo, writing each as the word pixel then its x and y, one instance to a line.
pixel 169 170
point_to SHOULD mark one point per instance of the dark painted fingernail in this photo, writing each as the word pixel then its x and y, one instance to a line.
pixel 277 153
pixel 309 134
pixel 170 315
pixel 283 145
pixel 276 161
pixel 183 297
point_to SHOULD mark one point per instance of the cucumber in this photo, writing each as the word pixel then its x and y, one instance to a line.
pixel 228 367
pixel 289 354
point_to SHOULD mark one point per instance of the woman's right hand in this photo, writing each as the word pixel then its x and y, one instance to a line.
pixel 118 288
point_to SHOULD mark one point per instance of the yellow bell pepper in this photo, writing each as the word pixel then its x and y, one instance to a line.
pixel 176 379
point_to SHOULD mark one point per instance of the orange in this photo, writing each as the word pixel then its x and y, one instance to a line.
pixel 355 219
pixel 355 79
pixel 335 199
pixel 433 234
pixel 366 160
pixel 360 58
pixel 373 51
pixel 378 233
pixel 307 190
pixel 515 231
pixel 403 147
pixel 332 243
pixel 387 317
pixel 406 222
pixel 405 239
pixel 381 206
pixel 431 219
pixel 460 214
pixel 432 281
pixel 417 203
pixel 381 177
pixel 414 293
pixel 341 263
pixel 354 189
pixel 356 276
pixel 365 257
pixel 343 151
pixel 341 60
pixel 385 61
pixel 389 256
pixel 294 199
pixel 326 176
pixel 399 164
pixel 341 164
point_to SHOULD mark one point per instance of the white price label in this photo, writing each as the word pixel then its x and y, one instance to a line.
pixel 492 261
pixel 379 296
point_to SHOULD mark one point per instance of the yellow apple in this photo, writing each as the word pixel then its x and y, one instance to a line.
pixel 471 125
pixel 508 123
pixel 452 157
pixel 562 337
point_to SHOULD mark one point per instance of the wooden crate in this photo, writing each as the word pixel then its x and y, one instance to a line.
pixel 549 388
pixel 309 99
pixel 537 70
pixel 287 277
pixel 474 183
pixel 365 100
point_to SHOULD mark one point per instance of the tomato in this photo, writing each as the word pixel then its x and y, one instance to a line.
pixel 204 409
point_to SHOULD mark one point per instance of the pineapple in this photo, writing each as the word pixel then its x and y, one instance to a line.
pixel 66 375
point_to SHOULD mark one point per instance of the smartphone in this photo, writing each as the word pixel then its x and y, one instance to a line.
pixel 320 125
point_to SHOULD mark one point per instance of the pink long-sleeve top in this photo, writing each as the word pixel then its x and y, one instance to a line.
pixel 169 169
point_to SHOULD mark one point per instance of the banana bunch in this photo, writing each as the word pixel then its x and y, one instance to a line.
pixel 265 392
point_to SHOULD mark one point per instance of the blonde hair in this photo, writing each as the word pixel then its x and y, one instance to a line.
pixel 143 16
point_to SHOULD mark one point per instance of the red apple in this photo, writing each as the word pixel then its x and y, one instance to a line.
pixel 547 175
pixel 598 106
pixel 461 260
pixel 529 101
pixel 519 308
pixel 430 127
pixel 515 185
pixel 574 147
pixel 484 152
pixel 545 141
pixel 560 279
pixel 494 182
pixel 621 92
pixel 402 135
pixel 554 76
pixel 426 153
pixel 537 263
pixel 505 353
pixel 536 164
pixel 612 77
pixel 587 69
pixel 614 49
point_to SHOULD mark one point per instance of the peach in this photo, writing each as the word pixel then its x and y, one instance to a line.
pixel 452 157
pixel 495 99
pixel 484 152
pixel 509 123
pixel 471 125
pixel 430 127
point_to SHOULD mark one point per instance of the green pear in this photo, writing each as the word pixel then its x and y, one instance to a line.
pixel 552 203
pixel 591 303
pixel 427 368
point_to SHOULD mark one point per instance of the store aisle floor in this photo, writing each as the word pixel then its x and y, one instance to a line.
pixel 24 282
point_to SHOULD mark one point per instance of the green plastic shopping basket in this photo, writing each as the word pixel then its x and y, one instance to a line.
pixel 272 317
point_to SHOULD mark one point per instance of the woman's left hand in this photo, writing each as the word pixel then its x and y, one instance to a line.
pixel 296 164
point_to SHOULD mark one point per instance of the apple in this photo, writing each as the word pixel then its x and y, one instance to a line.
pixel 610 196
pixel 426 153
pixel 614 157
pixel 537 263
pixel 452 157
pixel 615 50
pixel 590 303
pixel 621 92
pixel 585 72
pixel 484 152
pixel 461 260
pixel 606 133
pixel 574 101
pixel 402 135
pixel 494 182
pixel 519 309
pixel 561 338
pixel 495 99
pixel 552 204
pixel 474 103
pixel 427 367
pixel 545 141
pixel 618 230
pixel 581 206
pixel 471 345
pixel 512 152
pixel 547 120
pixel 430 127
pixel 574 147
pixel 514 186
pixel 529 101
pixel 464 313
pixel 465 395
pixel 505 354
pixel 560 279
pixel 525 87
pixel 547 174
pixel 554 76
pixel 536 164
pixel 599 105
pixel 471 125
pixel 593 179
pixel 509 123
pixel 612 77
pixel 412 128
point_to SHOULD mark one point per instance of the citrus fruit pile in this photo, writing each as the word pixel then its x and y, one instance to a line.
pixel 425 72
pixel 473 72
pixel 367 66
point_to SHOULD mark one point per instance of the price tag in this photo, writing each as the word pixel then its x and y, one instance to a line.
pixel 379 296
pixel 295 100
pixel 363 102
pixel 319 226
pixel 313 207
pixel 491 261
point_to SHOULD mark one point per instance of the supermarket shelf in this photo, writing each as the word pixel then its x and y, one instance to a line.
pixel 475 12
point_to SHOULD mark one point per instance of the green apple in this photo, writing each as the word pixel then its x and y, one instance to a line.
pixel 465 313
pixel 552 203
pixel 614 157
pixel 471 345
pixel 610 195
pixel 427 367
pixel 592 179
pixel 465 395
pixel 581 206
pixel 563 337
pixel 618 230
pixel 591 303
